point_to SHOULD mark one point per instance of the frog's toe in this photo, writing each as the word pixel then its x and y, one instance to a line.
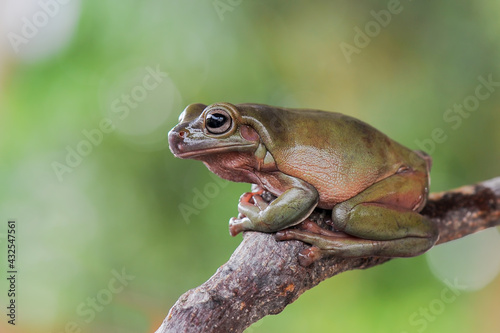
pixel 308 225
pixel 259 202
pixel 246 198
pixel 283 235
pixel 248 209
pixel 235 226
pixel 295 234
pixel 313 227
pixel 249 197
pixel 309 255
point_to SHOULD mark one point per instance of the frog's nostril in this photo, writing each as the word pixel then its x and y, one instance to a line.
pixel 182 134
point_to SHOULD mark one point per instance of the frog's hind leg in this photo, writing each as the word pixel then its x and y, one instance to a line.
pixel 383 221
pixel 353 247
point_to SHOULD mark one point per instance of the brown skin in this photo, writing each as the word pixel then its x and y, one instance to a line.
pixel 374 186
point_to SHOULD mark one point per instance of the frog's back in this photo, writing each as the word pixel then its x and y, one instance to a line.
pixel 337 154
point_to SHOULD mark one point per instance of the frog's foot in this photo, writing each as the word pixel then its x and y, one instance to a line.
pixel 251 204
pixel 324 242
pixel 290 208
pixel 352 247
pixel 313 253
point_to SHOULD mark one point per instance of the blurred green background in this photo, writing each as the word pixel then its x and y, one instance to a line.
pixel 116 207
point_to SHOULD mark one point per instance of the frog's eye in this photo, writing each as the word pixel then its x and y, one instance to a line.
pixel 218 121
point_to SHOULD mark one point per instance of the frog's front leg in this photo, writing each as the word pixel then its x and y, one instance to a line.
pixel 294 205
pixel 383 221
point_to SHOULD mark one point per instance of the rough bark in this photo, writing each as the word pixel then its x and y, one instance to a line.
pixel 263 276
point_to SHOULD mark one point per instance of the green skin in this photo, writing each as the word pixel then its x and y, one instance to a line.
pixel 374 186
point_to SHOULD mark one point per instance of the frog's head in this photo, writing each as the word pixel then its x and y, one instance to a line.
pixel 209 130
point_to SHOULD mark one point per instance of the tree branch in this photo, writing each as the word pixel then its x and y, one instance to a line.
pixel 263 276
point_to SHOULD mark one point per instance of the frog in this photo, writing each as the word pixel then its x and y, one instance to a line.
pixel 373 187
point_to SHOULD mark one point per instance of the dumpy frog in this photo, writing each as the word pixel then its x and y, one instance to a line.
pixel 374 186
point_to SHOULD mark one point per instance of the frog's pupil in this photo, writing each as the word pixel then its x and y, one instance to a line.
pixel 216 120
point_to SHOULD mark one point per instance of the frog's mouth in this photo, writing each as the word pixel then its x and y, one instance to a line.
pixel 191 143
pixel 179 150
